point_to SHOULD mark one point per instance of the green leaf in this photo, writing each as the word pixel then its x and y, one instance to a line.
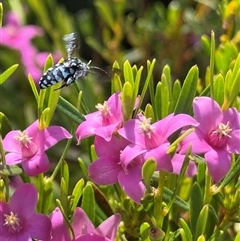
pixel 1 14
pixel 176 93
pixel 128 73
pixel 76 194
pixel 7 73
pixel 201 222
pixel 34 88
pixel 88 202
pixel 165 97
pixel 187 231
pixel 237 238
pixel 144 231
pixel 127 100
pixel 157 101
pixel 69 110
pixel 188 92
pixel 65 174
pixel 5 125
pixel 12 170
pixel 206 44
pixel 196 204
pixel 148 169
pixel 47 196
pixel 218 89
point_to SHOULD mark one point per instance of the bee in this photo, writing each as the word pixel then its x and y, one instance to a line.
pixel 70 69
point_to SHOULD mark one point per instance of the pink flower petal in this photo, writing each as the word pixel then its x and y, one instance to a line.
pixel 113 147
pixel 91 237
pixel 160 155
pixel 81 223
pixel 233 144
pixel 10 144
pixel 233 117
pixel 26 194
pixel 198 142
pixel 39 227
pixel 36 165
pixel 109 227
pixel 86 129
pixel 131 183
pixel 13 158
pixel 207 112
pixel 106 131
pixel 53 135
pixel 59 228
pixel 177 162
pixel 219 163
pixel 105 170
pixel 129 153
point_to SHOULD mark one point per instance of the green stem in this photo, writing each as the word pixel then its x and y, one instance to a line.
pixel 212 61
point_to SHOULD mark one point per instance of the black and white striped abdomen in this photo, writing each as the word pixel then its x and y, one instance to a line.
pixel 69 71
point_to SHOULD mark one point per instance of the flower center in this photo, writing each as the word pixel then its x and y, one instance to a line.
pixel 27 146
pixel 107 117
pixel 146 127
pixel 220 136
pixel 103 108
pixel 13 223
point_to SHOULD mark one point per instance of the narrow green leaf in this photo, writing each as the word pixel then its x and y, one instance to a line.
pixel 165 97
pixel 127 100
pixel 7 73
pixel 196 204
pixel 5 125
pixel 1 14
pixel 47 196
pixel 201 222
pixel 206 44
pixel 148 112
pixel 76 194
pixel 137 82
pixel 237 238
pixel 217 236
pixel 187 231
pixel 218 89
pixel 83 167
pixel 128 73
pixel 69 110
pixel 65 174
pixel 88 202
pixel 212 62
pixel 188 91
pixel 148 169
pixel 157 101
pixel 64 196
pixel 34 88
pixel 176 93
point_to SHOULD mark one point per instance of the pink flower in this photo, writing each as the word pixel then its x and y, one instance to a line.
pixel 103 122
pixel 217 136
pixel 107 169
pixel 19 37
pixel 151 140
pixel 18 221
pixel 28 147
pixel 83 227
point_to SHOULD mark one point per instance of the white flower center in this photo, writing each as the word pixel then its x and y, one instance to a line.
pixel 103 108
pixel 12 222
pixel 23 138
pixel 223 130
pixel 146 127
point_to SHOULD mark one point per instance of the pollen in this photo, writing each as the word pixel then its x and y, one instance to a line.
pixel 12 222
pixel 103 108
pixel 146 127
pixel 23 138
pixel 219 137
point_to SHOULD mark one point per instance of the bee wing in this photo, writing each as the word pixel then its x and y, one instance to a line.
pixel 72 42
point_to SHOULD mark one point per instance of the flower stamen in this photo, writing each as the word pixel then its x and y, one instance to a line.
pixel 103 108
pixel 146 127
pixel 13 222
pixel 23 138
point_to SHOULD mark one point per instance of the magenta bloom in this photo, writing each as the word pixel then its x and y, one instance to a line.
pixel 103 122
pixel 217 136
pixel 83 227
pixel 19 37
pixel 18 220
pixel 107 169
pixel 28 147
pixel 151 140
